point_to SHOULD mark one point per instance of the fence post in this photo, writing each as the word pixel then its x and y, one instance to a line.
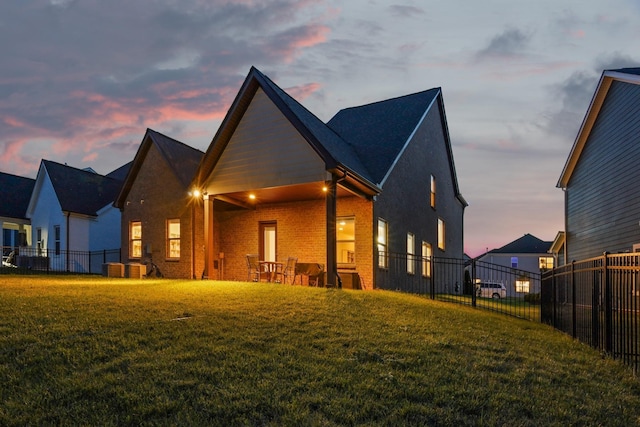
pixel 473 283
pixel 574 331
pixel 607 306
pixel 595 307
pixel 433 277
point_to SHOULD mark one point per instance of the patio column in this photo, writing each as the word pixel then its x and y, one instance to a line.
pixel 208 237
pixel 332 264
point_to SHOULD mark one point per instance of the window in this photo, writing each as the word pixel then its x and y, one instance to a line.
pixel 514 262
pixel 56 233
pixel 411 253
pixel 433 191
pixel 522 286
pixel 426 259
pixel 39 242
pixel 135 239
pixel 346 241
pixel 546 262
pixel 382 243
pixel 441 234
pixel 173 238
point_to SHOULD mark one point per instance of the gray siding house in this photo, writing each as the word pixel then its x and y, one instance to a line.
pixel 600 178
pixel 528 254
pixel 376 179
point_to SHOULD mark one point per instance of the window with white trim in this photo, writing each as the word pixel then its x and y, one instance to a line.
pixel 383 232
pixel 135 239
pixel 441 234
pixel 411 253
pixel 426 259
pixel 173 238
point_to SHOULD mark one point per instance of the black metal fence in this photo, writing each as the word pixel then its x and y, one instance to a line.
pixel 37 261
pixel 597 301
pixel 463 281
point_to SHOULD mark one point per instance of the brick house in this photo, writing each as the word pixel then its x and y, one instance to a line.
pixel 160 221
pixel 374 180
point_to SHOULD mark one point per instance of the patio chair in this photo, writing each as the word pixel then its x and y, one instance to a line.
pixel 253 268
pixel 287 272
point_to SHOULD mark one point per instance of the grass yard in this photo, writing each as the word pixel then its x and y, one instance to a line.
pixel 97 351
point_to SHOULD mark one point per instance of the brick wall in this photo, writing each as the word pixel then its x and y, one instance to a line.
pixel 155 197
pixel 300 233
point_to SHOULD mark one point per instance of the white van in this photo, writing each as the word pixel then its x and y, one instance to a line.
pixel 494 290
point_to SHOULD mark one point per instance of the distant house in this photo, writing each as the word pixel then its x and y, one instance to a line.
pixel 600 178
pixel 15 192
pixel 528 254
pixel 71 210
pixel 374 182
pixel 161 222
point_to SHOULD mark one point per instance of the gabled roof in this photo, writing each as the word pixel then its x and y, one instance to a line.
pixel 181 159
pixel 121 173
pixel 336 153
pixel 80 191
pixel 527 244
pixel 15 192
pixel 362 143
pixel 380 131
pixel 627 75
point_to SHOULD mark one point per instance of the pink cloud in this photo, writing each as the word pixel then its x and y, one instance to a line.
pixel 289 43
pixel 90 157
pixel 302 92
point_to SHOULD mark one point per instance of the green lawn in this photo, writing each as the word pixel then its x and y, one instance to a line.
pixel 95 351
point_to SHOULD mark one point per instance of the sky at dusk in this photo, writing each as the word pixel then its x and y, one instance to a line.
pixel 81 80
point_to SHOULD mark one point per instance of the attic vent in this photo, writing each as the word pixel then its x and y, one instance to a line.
pixel 90 170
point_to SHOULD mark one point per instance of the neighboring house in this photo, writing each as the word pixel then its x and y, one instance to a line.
pixel 375 180
pixel 160 219
pixel 600 178
pixel 71 210
pixel 15 192
pixel 557 249
pixel 528 254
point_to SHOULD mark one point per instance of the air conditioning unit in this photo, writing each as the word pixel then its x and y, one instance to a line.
pixel 135 270
pixel 113 269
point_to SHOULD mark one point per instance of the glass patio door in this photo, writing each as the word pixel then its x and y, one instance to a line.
pixel 268 241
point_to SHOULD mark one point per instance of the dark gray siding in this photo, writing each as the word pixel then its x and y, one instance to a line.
pixel 602 197
pixel 404 202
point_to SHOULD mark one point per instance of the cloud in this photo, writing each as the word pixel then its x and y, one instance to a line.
pixel 76 76
pixel 511 42
pixel 575 94
pixel 404 11
pixel 614 60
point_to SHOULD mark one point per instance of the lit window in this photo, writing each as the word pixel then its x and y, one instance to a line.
pixel 441 234
pixel 433 191
pixel 173 238
pixel 514 262
pixel 346 241
pixel 135 238
pixel 546 262
pixel 382 243
pixel 426 259
pixel 522 286
pixel 56 233
pixel 411 253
